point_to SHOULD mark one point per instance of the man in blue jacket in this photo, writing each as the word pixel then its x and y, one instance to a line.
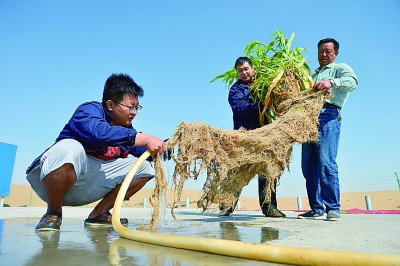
pixel 92 155
pixel 246 115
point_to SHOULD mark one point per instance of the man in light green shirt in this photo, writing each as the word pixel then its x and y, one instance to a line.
pixel 342 80
pixel 318 160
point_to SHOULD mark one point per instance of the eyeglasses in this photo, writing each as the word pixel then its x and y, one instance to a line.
pixel 133 109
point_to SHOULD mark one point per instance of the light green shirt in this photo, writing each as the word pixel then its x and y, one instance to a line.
pixel 344 78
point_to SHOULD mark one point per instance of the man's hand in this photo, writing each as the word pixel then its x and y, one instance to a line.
pixel 154 145
pixel 322 85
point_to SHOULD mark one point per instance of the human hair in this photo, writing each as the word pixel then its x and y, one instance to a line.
pixel 117 85
pixel 241 60
pixel 327 40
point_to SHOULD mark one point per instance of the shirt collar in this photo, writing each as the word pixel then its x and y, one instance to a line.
pixel 108 116
pixel 322 68
pixel 244 84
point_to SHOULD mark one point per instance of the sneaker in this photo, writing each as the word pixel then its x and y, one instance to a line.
pixel 333 216
pixel 274 213
pixel 49 222
pixel 311 215
pixel 224 212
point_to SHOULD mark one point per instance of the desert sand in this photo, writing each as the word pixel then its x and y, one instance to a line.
pixel 22 195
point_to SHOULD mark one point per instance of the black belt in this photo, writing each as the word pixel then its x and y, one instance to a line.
pixel 330 105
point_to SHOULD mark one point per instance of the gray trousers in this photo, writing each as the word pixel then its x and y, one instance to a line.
pixel 95 177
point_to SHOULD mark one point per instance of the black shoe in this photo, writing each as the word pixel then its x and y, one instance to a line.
pixel 103 220
pixel 311 215
pixel 49 222
pixel 274 213
pixel 224 212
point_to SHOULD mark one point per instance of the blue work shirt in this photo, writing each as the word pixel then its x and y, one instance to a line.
pixel 91 126
pixel 245 111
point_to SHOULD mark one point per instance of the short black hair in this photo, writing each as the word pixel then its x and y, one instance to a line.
pixel 327 40
pixel 117 85
pixel 241 60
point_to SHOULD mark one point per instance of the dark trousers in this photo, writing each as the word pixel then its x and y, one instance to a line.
pixel 262 183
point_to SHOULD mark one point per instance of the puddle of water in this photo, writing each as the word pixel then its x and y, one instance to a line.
pixel 75 244
pixel 238 231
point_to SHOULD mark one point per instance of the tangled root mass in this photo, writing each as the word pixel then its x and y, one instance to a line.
pixel 231 158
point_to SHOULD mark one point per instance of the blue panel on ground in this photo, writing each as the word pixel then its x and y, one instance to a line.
pixel 7 159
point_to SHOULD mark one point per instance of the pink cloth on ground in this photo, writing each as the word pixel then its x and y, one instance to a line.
pixel 359 211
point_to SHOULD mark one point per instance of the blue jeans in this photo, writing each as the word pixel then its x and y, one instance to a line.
pixel 318 163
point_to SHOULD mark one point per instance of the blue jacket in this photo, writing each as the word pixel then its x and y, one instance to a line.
pixel 91 126
pixel 245 111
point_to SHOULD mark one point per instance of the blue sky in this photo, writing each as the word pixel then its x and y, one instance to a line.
pixel 55 55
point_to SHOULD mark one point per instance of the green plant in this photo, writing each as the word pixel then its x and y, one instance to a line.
pixel 279 73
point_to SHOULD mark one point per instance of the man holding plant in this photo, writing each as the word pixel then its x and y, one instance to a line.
pixel 246 115
pixel 319 159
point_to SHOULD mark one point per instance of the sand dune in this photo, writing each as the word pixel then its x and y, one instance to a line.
pixel 22 195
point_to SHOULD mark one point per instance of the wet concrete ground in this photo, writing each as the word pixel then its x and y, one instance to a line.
pixel 75 244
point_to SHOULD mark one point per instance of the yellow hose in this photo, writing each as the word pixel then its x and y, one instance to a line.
pixel 287 255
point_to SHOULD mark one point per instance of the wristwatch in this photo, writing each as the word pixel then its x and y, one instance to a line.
pixel 332 82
